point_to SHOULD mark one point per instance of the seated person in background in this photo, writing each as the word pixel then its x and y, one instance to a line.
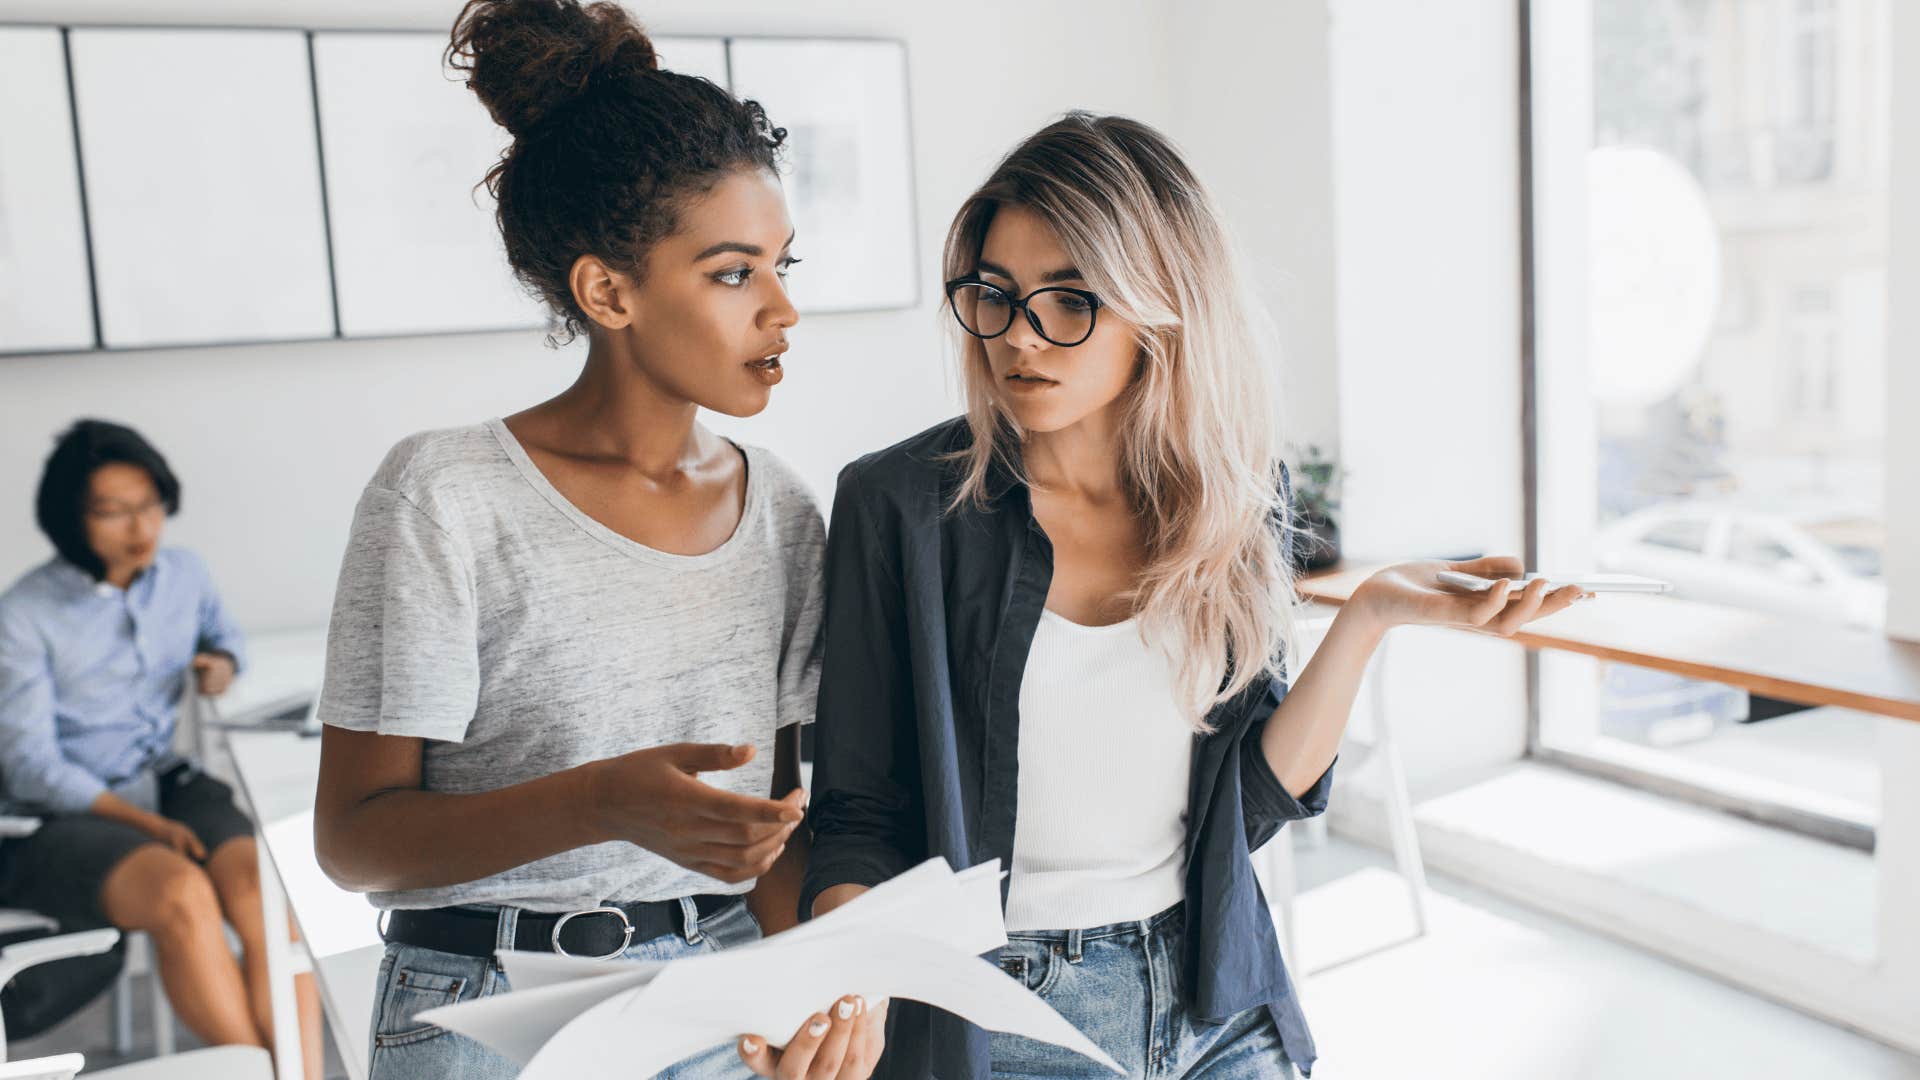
pixel 96 645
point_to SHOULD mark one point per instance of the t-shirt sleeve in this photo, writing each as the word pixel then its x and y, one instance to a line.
pixel 800 646
pixel 403 644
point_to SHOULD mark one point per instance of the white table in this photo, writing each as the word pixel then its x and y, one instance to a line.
pixel 339 930
pixel 283 670
pixel 277 772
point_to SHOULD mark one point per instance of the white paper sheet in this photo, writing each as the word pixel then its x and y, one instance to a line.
pixel 533 970
pixel 915 937
pixel 520 1022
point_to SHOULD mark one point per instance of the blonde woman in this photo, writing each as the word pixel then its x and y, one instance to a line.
pixel 1056 628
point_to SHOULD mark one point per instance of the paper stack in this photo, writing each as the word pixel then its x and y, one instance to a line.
pixel 918 936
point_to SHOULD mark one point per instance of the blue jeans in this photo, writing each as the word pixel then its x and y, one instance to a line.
pixel 413 980
pixel 1121 985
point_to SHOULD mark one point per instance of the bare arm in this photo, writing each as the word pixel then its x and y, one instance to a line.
pixel 375 829
pixel 177 835
pixel 1303 735
pixel 836 896
pixel 775 898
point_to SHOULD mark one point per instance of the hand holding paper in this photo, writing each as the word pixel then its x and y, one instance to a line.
pixel 918 936
pixel 843 1043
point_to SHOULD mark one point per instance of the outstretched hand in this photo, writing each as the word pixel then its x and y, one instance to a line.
pixel 1410 594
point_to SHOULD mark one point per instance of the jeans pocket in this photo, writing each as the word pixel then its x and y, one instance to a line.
pixel 419 980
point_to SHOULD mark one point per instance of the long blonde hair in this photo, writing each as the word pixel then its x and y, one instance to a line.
pixel 1199 453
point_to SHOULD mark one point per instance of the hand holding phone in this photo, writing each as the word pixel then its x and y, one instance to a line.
pixel 1593 583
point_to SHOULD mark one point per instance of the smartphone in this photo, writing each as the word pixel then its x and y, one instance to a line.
pixel 1595 583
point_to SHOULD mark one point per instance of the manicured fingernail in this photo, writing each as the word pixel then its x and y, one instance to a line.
pixel 863 1005
pixel 846 1010
pixel 818 1027
pixel 750 1044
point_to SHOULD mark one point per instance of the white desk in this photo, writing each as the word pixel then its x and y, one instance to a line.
pixel 283 670
pixel 277 772
pixel 338 929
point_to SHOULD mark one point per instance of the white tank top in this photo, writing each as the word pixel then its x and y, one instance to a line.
pixel 1105 755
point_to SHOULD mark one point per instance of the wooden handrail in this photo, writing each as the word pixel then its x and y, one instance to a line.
pixel 1775 655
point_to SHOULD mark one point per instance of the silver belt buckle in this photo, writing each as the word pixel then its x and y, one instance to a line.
pixel 625 940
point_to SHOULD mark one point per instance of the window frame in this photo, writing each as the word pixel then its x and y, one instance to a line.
pixel 1723 794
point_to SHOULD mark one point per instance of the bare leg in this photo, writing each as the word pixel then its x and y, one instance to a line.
pixel 235 870
pixel 307 998
pixel 166 895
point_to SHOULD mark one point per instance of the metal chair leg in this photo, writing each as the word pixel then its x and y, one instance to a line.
pixel 1399 802
pixel 122 1010
pixel 163 1039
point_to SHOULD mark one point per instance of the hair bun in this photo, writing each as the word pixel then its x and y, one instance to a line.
pixel 527 58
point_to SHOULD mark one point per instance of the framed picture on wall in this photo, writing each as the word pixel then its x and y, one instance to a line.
pixel 46 296
pixel 849 175
pixel 405 146
pixel 203 185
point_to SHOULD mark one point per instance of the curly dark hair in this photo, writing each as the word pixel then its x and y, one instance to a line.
pixel 79 452
pixel 607 147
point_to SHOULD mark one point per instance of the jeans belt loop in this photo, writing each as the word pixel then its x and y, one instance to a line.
pixel 690 919
pixel 1076 946
pixel 506 925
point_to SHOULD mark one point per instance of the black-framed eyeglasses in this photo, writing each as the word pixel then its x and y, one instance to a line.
pixel 1061 315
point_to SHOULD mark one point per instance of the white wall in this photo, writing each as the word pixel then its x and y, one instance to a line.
pixel 1425 176
pixel 1898 854
pixel 1903 337
pixel 1365 152
pixel 274 442
pixel 1252 97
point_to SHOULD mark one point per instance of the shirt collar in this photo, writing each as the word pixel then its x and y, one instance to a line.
pixel 73 578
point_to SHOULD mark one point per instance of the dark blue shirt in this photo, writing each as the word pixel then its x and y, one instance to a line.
pixel 929 616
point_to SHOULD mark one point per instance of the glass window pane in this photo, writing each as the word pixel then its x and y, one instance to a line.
pixel 1682 535
pixel 1736 272
pixel 1710 207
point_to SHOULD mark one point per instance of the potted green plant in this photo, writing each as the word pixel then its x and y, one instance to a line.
pixel 1315 540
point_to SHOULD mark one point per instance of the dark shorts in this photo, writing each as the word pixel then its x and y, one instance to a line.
pixel 60 870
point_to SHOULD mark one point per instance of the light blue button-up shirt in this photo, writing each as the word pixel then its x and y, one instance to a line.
pixel 91 675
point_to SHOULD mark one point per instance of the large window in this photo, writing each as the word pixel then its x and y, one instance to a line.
pixel 1709 207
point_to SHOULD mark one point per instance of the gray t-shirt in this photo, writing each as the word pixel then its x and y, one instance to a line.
pixel 482 611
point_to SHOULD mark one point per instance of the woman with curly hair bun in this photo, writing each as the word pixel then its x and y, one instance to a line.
pixel 571 649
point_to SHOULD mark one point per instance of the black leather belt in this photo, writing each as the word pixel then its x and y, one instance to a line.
pixel 600 933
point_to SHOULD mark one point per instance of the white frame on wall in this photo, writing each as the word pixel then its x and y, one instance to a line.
pixel 43 238
pixel 884 257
